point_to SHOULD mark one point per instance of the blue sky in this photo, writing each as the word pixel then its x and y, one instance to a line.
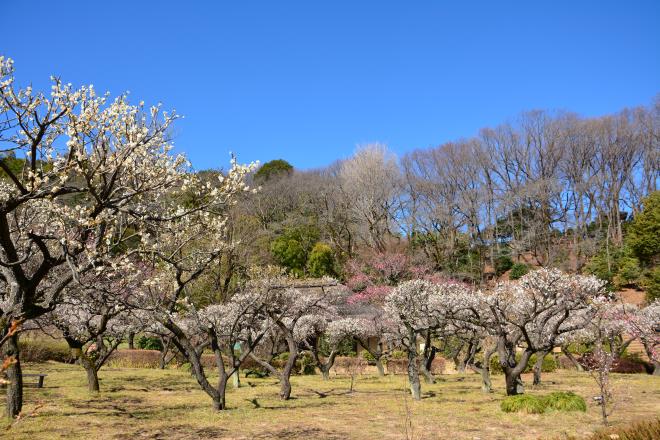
pixel 307 81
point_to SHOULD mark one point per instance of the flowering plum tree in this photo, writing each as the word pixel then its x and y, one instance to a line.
pixel 87 166
pixel 415 307
pixel 179 244
pixel 533 313
pixel 326 332
pixel 94 318
pixel 288 309
pixel 372 325
pixel 643 324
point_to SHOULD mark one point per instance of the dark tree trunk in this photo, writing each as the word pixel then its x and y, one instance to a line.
pixel 486 385
pixel 538 367
pixel 427 362
pixel 459 365
pixel 285 387
pixel 376 353
pixel 514 385
pixel 162 362
pixel 325 365
pixel 413 376
pixel 285 377
pixel 649 348
pixel 185 347
pixel 15 385
pixel 165 342
pixel 483 368
pixel 88 365
pixel 428 376
pixel 131 341
pixel 506 350
pixel 219 400
pixel 92 379
pixel 413 369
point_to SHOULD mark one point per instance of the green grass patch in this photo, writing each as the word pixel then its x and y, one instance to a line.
pixel 523 403
pixel 564 401
pixel 557 401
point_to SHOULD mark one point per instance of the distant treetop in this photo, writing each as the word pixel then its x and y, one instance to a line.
pixel 274 168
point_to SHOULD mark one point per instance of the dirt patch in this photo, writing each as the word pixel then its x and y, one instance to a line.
pixel 177 432
pixel 298 433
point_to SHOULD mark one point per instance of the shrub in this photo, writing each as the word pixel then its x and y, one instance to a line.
pixel 345 348
pixel 629 363
pixel 371 360
pixel 502 264
pixel 321 261
pixel 250 372
pixel 398 354
pixel 149 343
pixel 643 233
pixel 291 249
pixel 564 401
pixel 304 364
pixel 549 364
pixel 557 401
pixel 42 350
pixel 518 270
pixel 651 283
pixel 523 403
pixel 250 365
pixel 629 272
pixel 565 363
pixel 637 431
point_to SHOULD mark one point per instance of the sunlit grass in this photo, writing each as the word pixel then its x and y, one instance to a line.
pixel 168 404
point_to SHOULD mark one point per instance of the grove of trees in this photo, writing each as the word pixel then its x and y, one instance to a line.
pixel 509 244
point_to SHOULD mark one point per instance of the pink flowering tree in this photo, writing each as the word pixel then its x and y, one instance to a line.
pixel 611 328
pixel 604 328
pixel 374 275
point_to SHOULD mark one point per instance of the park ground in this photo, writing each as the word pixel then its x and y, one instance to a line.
pixel 138 403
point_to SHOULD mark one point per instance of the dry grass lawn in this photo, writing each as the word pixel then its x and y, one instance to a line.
pixel 155 404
